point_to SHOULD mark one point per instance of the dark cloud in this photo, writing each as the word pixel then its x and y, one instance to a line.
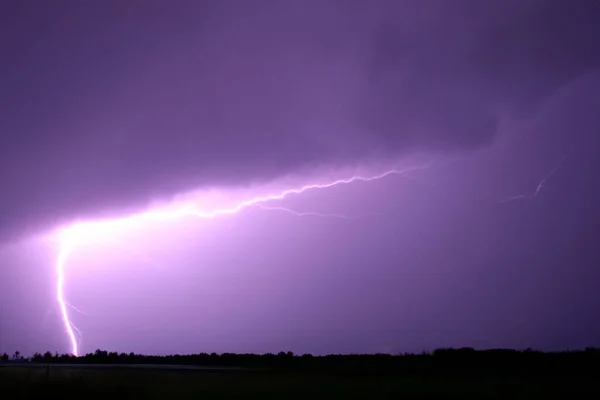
pixel 106 105
pixel 446 79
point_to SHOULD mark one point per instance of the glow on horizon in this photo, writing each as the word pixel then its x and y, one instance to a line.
pixel 72 235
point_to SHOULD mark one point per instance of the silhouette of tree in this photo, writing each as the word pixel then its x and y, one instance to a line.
pixel 4 357
pixel 47 357
pixel 449 362
pixel 17 355
pixel 100 355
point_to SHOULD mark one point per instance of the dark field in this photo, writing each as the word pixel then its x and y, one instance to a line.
pixel 464 375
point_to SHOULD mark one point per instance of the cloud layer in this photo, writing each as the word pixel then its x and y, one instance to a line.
pixel 106 105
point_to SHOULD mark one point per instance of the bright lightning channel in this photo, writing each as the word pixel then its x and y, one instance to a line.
pixel 69 236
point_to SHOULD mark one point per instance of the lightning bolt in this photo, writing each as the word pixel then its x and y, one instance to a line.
pixel 309 213
pixel 70 236
pixel 78 310
pixel 540 185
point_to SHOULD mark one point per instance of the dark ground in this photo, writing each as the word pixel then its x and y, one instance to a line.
pixel 464 374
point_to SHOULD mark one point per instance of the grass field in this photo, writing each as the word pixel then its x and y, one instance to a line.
pixel 64 382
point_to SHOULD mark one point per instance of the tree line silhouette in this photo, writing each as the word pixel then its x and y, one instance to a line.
pixel 440 361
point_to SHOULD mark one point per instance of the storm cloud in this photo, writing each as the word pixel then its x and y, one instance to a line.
pixel 107 105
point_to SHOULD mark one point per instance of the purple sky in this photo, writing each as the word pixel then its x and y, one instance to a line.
pixel 110 107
